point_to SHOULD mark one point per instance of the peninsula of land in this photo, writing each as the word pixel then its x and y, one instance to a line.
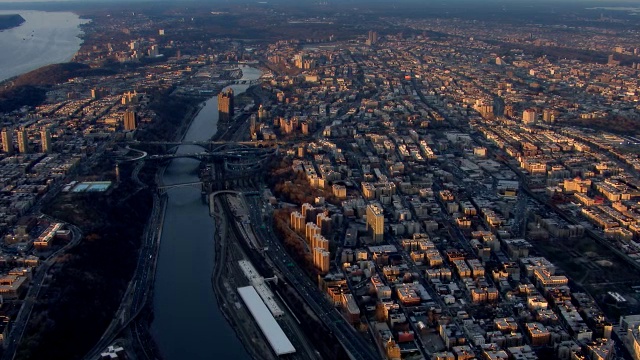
pixel 10 21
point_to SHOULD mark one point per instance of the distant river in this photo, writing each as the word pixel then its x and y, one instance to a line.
pixel 187 323
pixel 44 38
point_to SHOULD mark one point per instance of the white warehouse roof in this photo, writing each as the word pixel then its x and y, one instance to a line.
pixel 270 328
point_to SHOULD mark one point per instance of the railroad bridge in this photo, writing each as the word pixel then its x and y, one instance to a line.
pixel 229 163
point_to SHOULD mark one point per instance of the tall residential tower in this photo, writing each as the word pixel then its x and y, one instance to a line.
pixel 375 222
pixel 7 140
pixel 373 38
pixel 45 140
pixel 130 120
pixel 225 105
pixel 23 141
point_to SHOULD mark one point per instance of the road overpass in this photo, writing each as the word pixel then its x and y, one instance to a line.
pixel 257 143
pixel 211 150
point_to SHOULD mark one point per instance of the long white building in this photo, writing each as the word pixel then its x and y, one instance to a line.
pixel 278 340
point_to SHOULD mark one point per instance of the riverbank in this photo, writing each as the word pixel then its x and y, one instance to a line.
pixel 186 124
pixel 187 121
pixel 143 341
pixel 44 38
pixel 226 275
pixel 187 321
pixel 224 286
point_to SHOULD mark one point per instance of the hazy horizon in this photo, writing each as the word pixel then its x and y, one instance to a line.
pixel 608 2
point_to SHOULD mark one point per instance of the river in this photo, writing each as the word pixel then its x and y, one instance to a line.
pixel 44 38
pixel 187 322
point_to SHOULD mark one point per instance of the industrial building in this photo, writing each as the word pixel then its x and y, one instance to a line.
pixel 279 342
pixel 261 288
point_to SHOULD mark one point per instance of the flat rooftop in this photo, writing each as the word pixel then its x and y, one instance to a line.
pixel 270 328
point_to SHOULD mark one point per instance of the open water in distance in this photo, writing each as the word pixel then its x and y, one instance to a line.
pixel 44 38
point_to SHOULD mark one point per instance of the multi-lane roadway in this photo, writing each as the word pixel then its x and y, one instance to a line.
pixel 353 342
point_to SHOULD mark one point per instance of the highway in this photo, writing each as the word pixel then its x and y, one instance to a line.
pixel 353 342
pixel 22 320
pixel 139 291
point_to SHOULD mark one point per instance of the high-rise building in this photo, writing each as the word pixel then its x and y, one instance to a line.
pixel 508 111
pixel 311 230
pixel 309 212
pixel 130 120
pixel 529 116
pixel 297 221
pixel 548 116
pixel 7 140
pixel 253 125
pixel 321 259
pixel 323 221
pixel 373 38
pixel 154 51
pixel 298 60
pixel 319 241
pixel 339 191
pixel 375 222
pixel 45 140
pixel 129 98
pixel 225 105
pixel 262 113
pixel 23 141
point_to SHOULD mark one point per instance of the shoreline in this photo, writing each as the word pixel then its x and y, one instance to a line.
pixel 216 283
pixel 222 281
pixel 181 133
pixel 187 121
pixel 254 343
pixel 186 124
pixel 9 27
pixel 68 59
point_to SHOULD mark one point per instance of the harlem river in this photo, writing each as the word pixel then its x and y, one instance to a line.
pixel 187 322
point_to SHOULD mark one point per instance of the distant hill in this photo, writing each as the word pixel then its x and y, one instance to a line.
pixel 10 21
pixel 29 89
pixel 18 97
pixel 57 73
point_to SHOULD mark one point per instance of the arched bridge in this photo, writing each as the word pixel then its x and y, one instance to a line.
pixel 170 147
pixel 246 82
pixel 196 184
pixel 258 143
pixel 240 154
pixel 211 150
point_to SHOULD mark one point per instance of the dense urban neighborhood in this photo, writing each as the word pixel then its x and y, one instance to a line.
pixel 370 183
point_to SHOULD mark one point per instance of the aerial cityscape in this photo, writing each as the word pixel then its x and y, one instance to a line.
pixel 320 179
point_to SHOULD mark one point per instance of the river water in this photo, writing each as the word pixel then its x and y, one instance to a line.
pixel 44 38
pixel 187 322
